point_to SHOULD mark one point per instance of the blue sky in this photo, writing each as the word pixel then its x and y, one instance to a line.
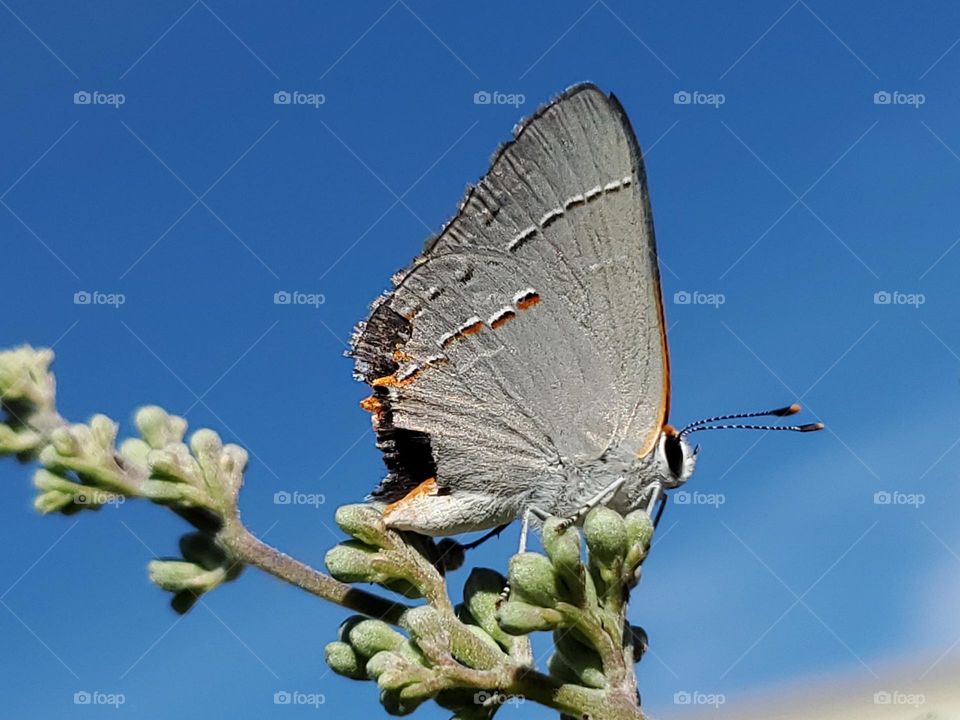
pixel 790 202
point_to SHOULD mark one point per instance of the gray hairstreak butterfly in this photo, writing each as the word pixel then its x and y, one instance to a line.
pixel 520 364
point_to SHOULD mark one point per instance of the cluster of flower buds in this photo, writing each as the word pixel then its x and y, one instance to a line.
pixel 27 395
pixel 203 567
pixel 581 601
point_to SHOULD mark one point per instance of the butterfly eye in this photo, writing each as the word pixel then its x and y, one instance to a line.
pixel 673 451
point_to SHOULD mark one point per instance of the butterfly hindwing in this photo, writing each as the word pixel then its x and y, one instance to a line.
pixel 528 337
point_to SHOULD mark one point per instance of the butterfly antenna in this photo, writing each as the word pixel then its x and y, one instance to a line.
pixel 809 427
pixel 776 412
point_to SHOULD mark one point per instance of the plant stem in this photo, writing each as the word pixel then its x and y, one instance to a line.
pixel 572 700
pixel 253 551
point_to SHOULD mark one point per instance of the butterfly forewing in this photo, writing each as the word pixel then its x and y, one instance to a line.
pixel 528 337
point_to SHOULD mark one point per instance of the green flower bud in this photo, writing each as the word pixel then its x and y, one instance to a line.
pixel 344 661
pixel 573 670
pixel 43 479
pixel 580 661
pixel 481 593
pixel 352 561
pixel 221 467
pixel 533 579
pixel 364 522
pixel 103 432
pixel 177 575
pixel 134 451
pixel 52 501
pixel 520 618
pixel 606 536
pixel 639 528
pixel 485 638
pixel 563 549
pixel 25 377
pixel 159 429
pixel 368 637
pixel 426 627
pixel 382 662
pixel 18 442
pixel 64 442
pixel 206 446
pixel 171 493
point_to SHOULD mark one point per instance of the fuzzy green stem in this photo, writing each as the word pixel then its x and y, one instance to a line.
pixel 248 548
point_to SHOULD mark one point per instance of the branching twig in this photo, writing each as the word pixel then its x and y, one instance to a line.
pixel 469 658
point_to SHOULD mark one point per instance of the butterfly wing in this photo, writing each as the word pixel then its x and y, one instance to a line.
pixel 528 337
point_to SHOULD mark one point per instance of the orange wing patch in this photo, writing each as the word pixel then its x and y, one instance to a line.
pixel 426 488
pixel 527 299
pixel 502 318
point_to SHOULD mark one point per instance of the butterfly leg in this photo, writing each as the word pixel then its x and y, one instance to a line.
pixel 597 499
pixel 524 533
pixel 655 495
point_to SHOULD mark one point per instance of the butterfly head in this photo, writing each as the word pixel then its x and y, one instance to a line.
pixel 678 455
